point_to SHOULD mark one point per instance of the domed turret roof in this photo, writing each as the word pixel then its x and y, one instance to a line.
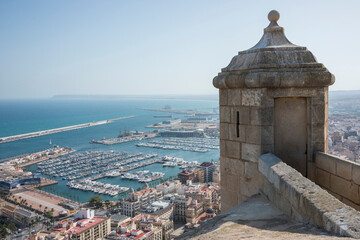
pixel 274 62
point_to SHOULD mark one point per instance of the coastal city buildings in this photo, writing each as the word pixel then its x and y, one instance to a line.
pixel 17 214
pixel 138 200
pixel 344 139
pixel 84 226
pixel 208 168
pixel 11 177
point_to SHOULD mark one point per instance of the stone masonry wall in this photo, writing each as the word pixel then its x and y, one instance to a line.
pixel 305 201
pixel 246 132
pixel 339 177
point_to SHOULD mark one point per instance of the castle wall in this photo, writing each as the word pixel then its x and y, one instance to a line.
pixel 304 200
pixel 246 131
pixel 339 177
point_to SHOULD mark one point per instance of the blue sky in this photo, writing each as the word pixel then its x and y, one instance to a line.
pixel 156 47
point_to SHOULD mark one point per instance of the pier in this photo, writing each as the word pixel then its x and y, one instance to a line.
pixel 57 130
pixel 185 112
pixel 129 168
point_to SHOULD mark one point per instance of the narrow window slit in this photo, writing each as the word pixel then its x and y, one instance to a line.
pixel 237 124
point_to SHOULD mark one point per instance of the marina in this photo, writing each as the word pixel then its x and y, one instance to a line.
pixel 80 138
pixel 143 176
pixel 80 170
pixel 97 187
pixel 186 144
pixel 86 164
pixel 210 143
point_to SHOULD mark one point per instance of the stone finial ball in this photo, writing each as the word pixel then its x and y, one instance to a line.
pixel 273 16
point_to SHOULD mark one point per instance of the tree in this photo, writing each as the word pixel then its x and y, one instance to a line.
pixel 107 203
pixel 95 201
pixel 48 214
pixel 3 232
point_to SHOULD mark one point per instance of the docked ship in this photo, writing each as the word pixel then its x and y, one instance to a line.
pixel 167 116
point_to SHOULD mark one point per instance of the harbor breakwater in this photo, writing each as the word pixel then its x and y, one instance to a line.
pixel 57 130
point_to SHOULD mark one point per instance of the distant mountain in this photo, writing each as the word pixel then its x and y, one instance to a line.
pixel 114 97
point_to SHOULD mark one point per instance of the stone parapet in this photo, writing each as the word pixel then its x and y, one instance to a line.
pixel 305 201
pixel 340 177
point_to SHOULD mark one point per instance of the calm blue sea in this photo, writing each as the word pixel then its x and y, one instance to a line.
pixel 24 116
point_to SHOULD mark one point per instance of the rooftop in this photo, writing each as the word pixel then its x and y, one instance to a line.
pixel 144 191
pixel 134 234
pixel 24 212
pixel 79 226
pixel 206 164
pixel 10 208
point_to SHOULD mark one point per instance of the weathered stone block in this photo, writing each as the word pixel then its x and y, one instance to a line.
pixel 224 114
pixel 251 170
pixel 244 115
pixel 228 199
pixel 345 188
pixel 268 190
pixel 355 175
pixel 259 134
pixel 231 181
pixel 232 149
pixel 224 131
pixel 233 132
pixel 322 178
pixel 256 97
pixel 297 215
pixel 326 162
pixel 318 133
pixel 275 179
pixel 320 99
pixel 284 205
pixel 249 187
pixel 232 166
pixel 319 146
pixel 250 152
pixel 292 92
pixel 223 97
pixel 344 169
pixel 318 114
pixel 351 204
pixel 266 161
pixel 261 116
pixel 222 148
pixel 234 97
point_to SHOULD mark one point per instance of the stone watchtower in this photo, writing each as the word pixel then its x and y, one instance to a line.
pixel 273 98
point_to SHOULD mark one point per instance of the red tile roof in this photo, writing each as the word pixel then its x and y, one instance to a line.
pixel 89 223
pixel 130 236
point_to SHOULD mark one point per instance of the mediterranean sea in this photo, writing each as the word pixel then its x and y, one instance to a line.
pixel 24 116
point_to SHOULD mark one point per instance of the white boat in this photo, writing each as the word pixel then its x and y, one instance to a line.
pixel 143 172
